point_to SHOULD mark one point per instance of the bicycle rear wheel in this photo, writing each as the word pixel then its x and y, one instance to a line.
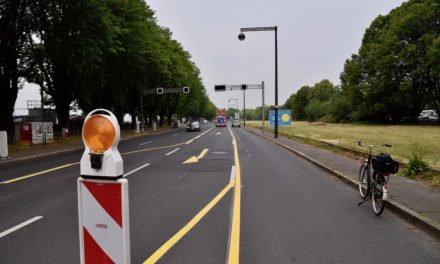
pixel 377 193
pixel 363 181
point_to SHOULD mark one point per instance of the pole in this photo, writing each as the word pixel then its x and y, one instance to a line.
pixel 262 106
pixel 142 113
pixel 276 82
pixel 244 107
pixel 236 109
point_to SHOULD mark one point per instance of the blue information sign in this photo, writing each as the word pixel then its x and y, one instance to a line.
pixel 284 118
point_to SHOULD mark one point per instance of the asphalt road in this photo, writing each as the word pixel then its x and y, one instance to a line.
pixel 289 211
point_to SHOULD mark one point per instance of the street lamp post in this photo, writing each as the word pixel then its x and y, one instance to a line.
pixel 241 37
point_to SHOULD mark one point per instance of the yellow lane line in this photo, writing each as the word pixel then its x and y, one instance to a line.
pixel 148 149
pixel 39 173
pixel 71 164
pixel 234 243
pixel 195 159
pixel 182 232
pixel 170 146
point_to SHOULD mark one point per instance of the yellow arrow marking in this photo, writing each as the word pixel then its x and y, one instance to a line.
pixel 126 153
pixel 195 159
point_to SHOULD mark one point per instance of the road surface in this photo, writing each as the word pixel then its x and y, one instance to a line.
pixel 285 211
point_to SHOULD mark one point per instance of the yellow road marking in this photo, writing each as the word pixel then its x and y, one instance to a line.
pixel 169 146
pixel 71 164
pixel 39 173
pixel 195 159
pixel 234 243
pixel 148 149
pixel 182 232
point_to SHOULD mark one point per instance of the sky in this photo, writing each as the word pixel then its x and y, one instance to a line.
pixel 315 37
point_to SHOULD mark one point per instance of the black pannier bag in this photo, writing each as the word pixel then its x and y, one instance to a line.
pixel 384 163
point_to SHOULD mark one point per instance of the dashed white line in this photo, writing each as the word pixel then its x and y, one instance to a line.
pixel 15 228
pixel 171 152
pixel 145 143
pixel 135 170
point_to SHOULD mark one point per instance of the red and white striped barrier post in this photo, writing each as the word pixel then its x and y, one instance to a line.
pixel 103 193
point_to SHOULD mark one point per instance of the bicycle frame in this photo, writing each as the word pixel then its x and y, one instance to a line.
pixel 373 178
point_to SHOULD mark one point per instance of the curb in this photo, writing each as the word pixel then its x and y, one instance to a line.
pixel 406 213
pixel 16 161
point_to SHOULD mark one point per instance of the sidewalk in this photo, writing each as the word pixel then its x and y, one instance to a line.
pixel 413 200
pixel 69 145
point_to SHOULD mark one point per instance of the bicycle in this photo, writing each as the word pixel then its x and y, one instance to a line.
pixel 374 185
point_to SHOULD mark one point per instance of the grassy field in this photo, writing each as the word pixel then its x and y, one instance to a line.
pixel 402 137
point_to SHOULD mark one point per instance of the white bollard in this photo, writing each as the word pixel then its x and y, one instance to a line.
pixel 3 145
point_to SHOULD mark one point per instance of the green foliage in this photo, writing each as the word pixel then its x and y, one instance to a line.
pixel 395 74
pixel 416 163
pixel 339 108
pixel 313 103
pixel 315 110
pixel 299 102
pixel 99 54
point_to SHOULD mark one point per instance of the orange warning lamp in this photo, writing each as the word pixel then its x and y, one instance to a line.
pixel 98 133
pixel 101 157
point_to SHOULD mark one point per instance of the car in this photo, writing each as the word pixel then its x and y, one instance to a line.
pixel 428 115
pixel 236 123
pixel 193 126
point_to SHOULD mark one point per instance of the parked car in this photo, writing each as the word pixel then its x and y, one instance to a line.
pixel 193 126
pixel 236 123
pixel 428 115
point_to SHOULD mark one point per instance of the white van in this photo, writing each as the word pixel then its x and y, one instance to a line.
pixel 428 115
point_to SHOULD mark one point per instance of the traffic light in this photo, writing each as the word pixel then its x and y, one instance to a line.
pixel 186 90
pixel 243 86
pixel 220 88
pixel 159 90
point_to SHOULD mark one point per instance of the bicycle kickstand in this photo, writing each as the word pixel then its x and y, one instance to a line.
pixel 359 204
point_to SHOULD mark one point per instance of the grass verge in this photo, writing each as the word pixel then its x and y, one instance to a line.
pixel 342 139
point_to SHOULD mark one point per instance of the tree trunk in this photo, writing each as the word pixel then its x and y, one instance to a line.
pixel 8 65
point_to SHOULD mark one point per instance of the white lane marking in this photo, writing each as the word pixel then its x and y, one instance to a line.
pixel 135 170
pixel 171 152
pixel 218 133
pixel 219 152
pixel 232 179
pixel 145 143
pixel 15 228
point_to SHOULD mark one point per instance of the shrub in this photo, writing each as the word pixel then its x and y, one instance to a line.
pixel 315 110
pixel 416 164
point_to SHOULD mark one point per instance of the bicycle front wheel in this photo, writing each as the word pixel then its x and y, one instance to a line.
pixel 377 193
pixel 363 181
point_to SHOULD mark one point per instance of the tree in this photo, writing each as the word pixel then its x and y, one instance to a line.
pixel 299 102
pixel 394 75
pixel 15 25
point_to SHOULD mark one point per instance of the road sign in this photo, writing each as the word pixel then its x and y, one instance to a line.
pixel 220 88
pixel 103 221
pixel 284 118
